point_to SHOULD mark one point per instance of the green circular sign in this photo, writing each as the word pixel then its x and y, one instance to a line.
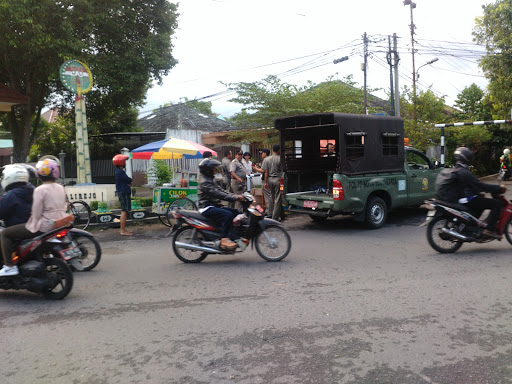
pixel 76 76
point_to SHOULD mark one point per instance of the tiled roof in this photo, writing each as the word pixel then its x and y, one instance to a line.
pixel 181 116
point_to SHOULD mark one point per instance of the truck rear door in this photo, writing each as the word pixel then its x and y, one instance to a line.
pixel 421 177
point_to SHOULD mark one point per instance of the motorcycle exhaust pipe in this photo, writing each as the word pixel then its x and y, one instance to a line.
pixel 455 234
pixel 194 247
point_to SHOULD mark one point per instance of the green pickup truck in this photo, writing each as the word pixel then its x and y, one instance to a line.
pixel 346 164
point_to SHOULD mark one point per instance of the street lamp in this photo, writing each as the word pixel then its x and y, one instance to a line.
pixel 427 63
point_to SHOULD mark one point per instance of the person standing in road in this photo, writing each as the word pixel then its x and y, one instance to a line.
pixel 124 191
pixel 238 179
pixel 273 172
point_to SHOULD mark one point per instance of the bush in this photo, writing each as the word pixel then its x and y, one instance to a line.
pixel 93 205
pixel 162 171
pixel 146 201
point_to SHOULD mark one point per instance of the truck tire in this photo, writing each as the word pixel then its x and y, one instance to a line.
pixel 376 212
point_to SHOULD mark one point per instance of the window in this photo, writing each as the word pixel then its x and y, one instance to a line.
pixel 328 148
pixel 390 143
pixel 354 145
pixel 293 148
pixel 417 160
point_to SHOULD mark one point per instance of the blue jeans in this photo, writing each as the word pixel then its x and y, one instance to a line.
pixel 223 216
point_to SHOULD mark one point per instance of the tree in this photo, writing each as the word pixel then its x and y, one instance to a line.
pixel 430 110
pixel 494 29
pixel 270 98
pixel 472 105
pixel 126 43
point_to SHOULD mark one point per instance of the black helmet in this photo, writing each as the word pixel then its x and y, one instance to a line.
pixel 464 155
pixel 206 166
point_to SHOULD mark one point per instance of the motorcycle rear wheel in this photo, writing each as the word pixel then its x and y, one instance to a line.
pixel 274 243
pixel 184 235
pixel 59 269
pixel 439 241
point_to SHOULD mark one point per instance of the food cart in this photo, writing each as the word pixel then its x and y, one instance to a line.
pixel 168 193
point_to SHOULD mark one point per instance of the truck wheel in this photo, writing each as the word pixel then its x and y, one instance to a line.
pixel 376 212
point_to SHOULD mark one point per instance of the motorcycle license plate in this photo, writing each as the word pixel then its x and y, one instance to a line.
pixel 431 213
pixel 70 252
pixel 310 204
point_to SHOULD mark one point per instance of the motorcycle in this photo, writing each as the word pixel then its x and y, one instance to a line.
pixel 202 236
pixel 504 173
pixel 41 265
pixel 451 225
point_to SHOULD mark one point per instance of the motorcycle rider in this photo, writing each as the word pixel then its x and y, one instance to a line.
pixel 459 185
pixel 16 203
pixel 506 158
pixel 49 205
pixel 210 195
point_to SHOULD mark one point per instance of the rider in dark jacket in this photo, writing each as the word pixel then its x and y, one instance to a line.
pixel 459 185
pixel 16 203
pixel 210 196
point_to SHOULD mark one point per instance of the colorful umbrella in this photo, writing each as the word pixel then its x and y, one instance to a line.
pixel 171 149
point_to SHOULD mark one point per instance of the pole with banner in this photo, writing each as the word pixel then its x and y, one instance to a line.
pixel 77 78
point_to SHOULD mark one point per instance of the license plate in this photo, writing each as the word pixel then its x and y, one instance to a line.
pixel 310 204
pixel 431 213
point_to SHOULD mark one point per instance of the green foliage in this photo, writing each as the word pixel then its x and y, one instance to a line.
pixel 270 98
pixel 93 205
pixel 429 110
pixel 472 105
pixel 146 202
pixel 126 44
pixel 494 29
pixel 162 171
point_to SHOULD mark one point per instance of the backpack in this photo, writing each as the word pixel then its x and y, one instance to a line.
pixel 447 186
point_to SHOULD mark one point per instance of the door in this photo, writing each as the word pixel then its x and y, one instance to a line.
pixel 421 177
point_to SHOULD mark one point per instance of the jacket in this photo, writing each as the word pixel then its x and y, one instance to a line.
pixel 16 204
pixel 458 182
pixel 123 182
pixel 209 194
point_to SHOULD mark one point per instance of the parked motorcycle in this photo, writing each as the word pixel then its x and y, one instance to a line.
pixel 201 236
pixel 451 225
pixel 89 250
pixel 41 265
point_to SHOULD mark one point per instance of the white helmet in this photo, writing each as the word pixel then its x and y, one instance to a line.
pixel 506 151
pixel 14 173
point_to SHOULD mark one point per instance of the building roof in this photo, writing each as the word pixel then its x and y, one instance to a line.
pixel 9 97
pixel 181 116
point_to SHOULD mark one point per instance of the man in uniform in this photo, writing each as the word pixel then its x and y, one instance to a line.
pixel 266 192
pixel 273 171
pixel 226 176
pixel 238 178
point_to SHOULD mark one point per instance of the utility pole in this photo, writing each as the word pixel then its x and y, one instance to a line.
pixel 390 62
pixel 413 27
pixel 397 90
pixel 365 65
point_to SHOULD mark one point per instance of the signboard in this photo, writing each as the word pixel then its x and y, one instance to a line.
pixel 76 76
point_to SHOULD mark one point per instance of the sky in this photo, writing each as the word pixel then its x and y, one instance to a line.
pixel 233 41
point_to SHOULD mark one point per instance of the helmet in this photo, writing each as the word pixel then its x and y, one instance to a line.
pixel 48 168
pixel 506 151
pixel 464 155
pixel 120 160
pixel 14 173
pixel 206 166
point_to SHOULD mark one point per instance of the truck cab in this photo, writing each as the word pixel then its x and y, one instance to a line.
pixel 338 163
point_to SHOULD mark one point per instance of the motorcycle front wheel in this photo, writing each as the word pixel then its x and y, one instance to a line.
pixel 273 243
pixel 185 235
pixel 60 279
pixel 439 241
pixel 90 251
pixel 507 230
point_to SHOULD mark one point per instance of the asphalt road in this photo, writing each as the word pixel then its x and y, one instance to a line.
pixel 348 305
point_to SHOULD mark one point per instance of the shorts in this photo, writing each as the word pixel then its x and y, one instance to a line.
pixel 126 201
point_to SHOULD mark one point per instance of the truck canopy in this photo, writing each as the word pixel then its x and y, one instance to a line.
pixel 362 143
